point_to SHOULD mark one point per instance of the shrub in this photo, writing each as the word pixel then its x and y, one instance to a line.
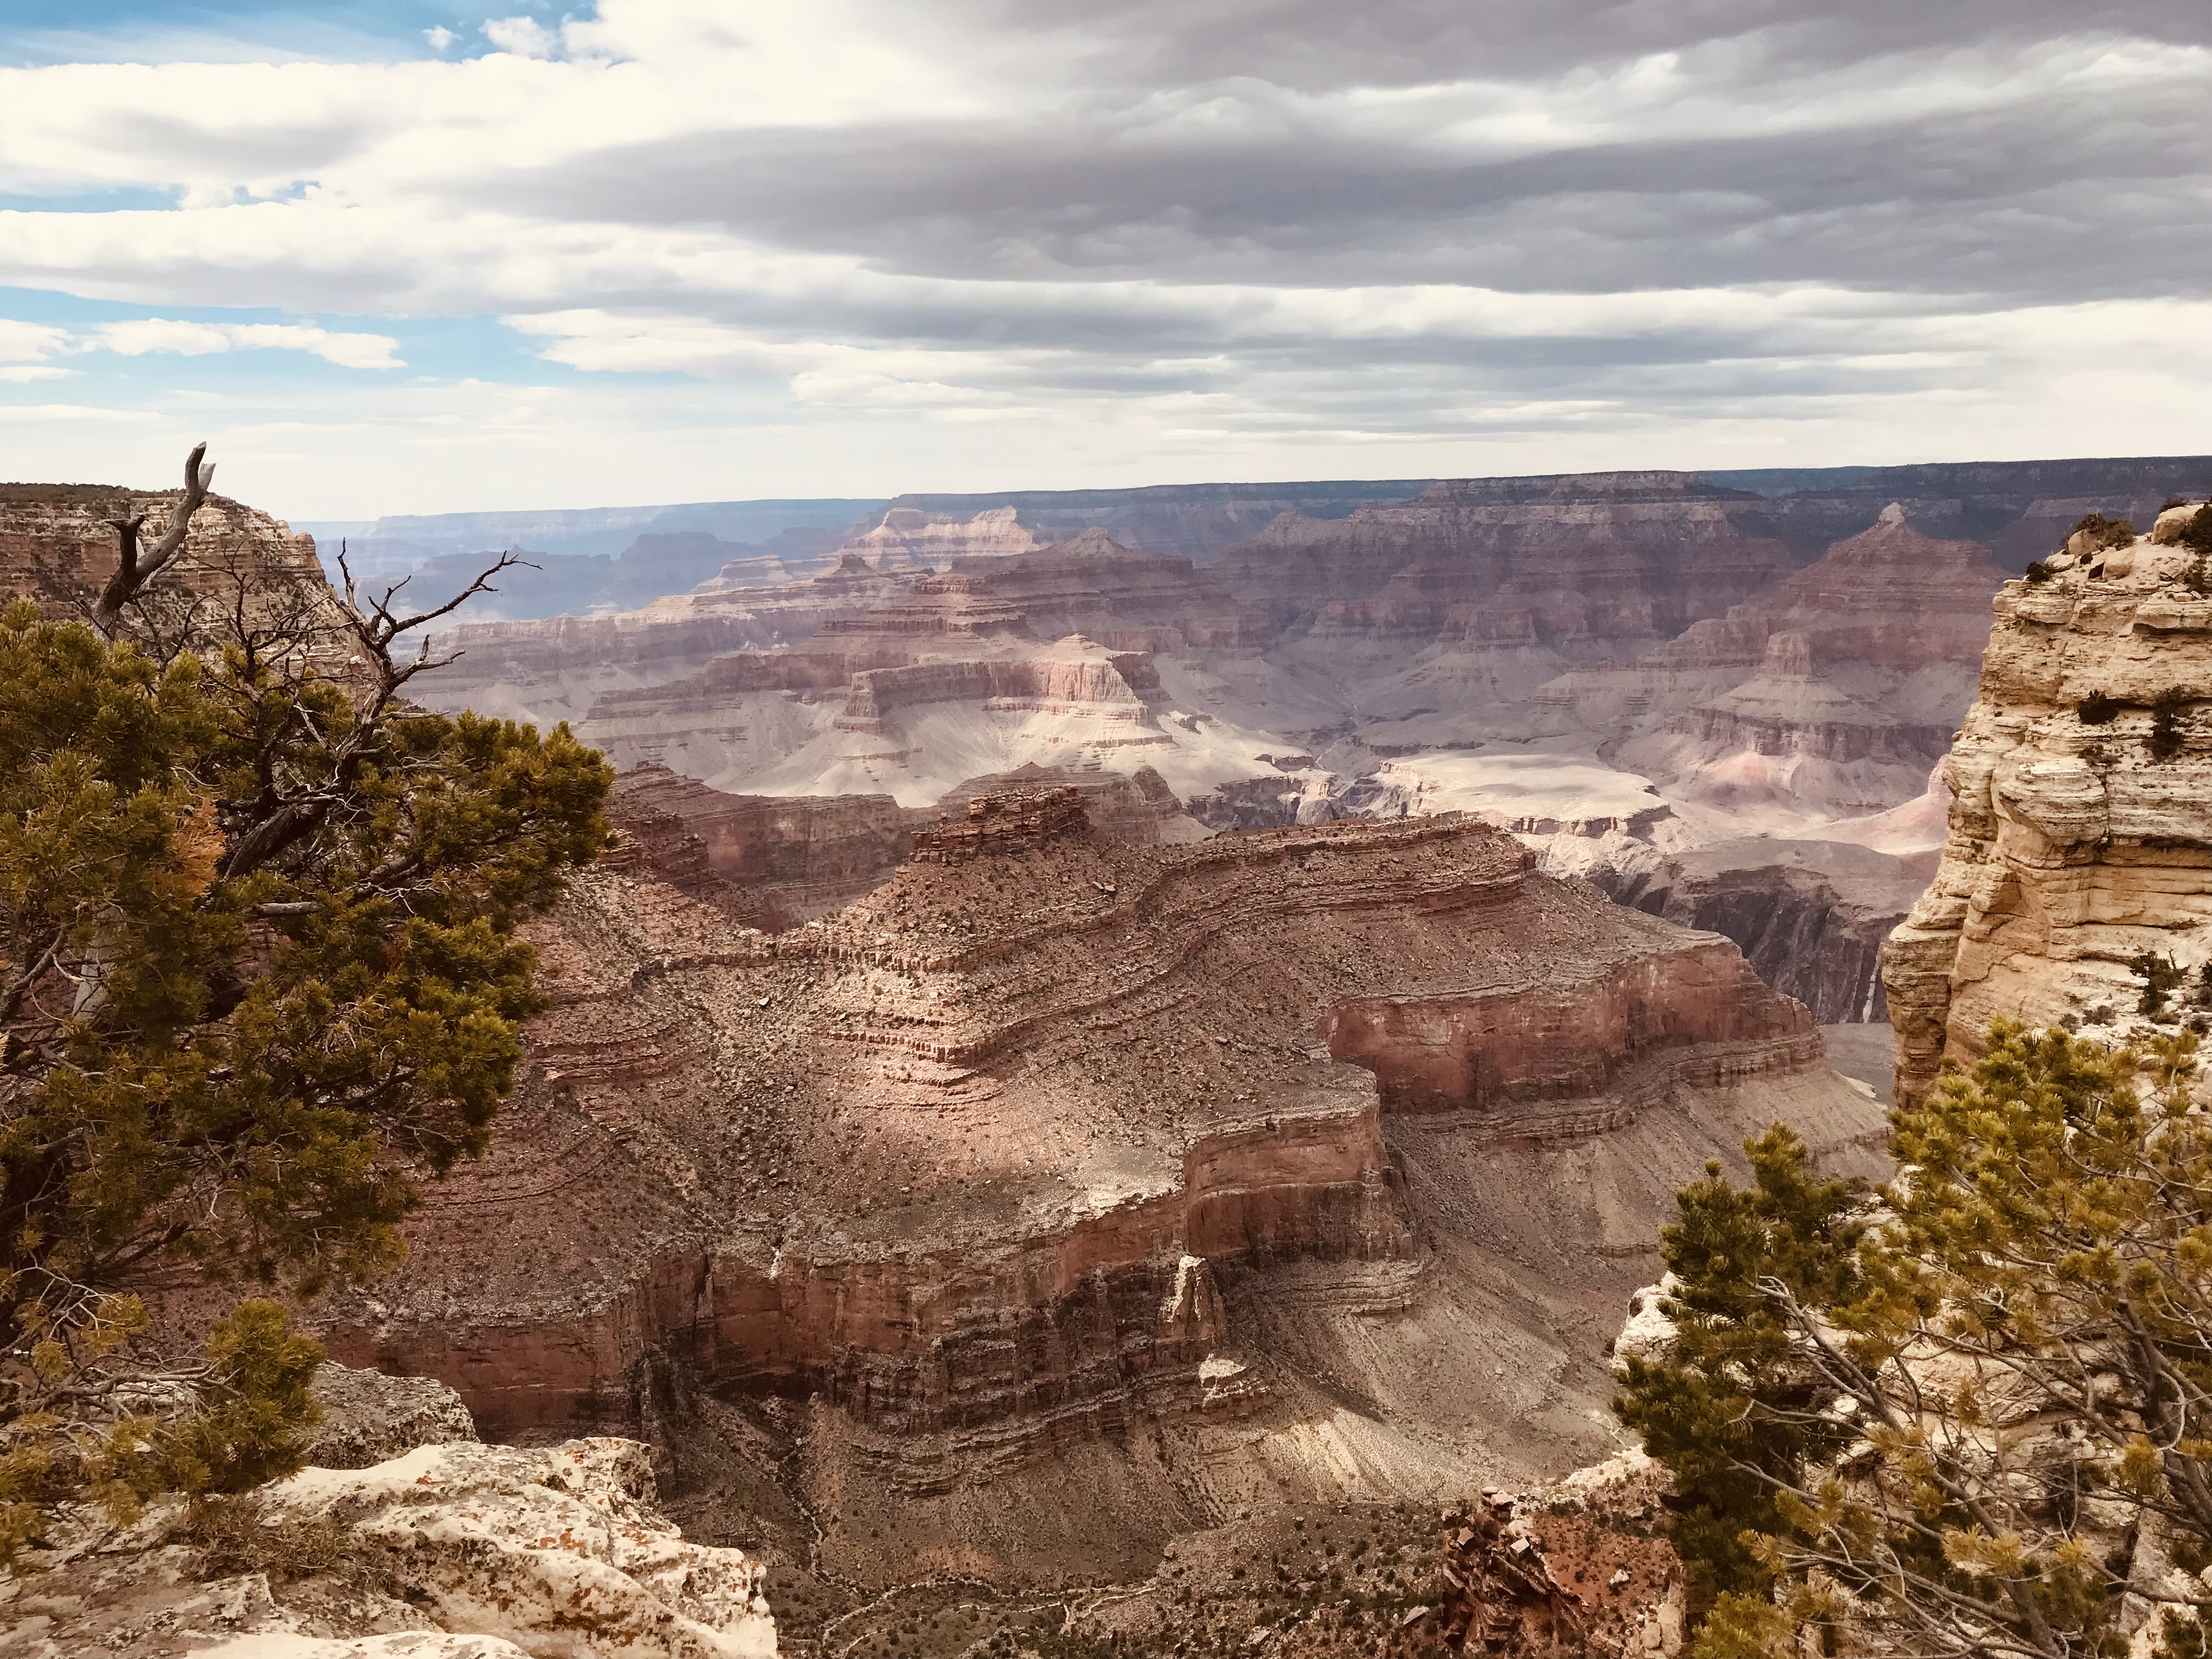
pixel 2038 572
pixel 2103 532
pixel 2160 978
pixel 2167 736
pixel 2052 1223
pixel 261 976
pixel 2197 531
pixel 2096 709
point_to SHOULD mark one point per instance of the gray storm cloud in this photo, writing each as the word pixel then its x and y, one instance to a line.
pixel 1292 219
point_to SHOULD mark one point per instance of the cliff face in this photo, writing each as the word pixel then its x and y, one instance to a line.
pixel 1572 568
pixel 57 546
pixel 2019 509
pixel 2076 846
pixel 1833 697
pixel 1810 916
pixel 1061 1155
pixel 775 861
pixel 1191 521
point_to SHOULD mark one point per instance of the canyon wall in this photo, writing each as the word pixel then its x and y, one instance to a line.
pixel 1810 916
pixel 1019 1163
pixel 58 547
pixel 2080 831
pixel 2019 509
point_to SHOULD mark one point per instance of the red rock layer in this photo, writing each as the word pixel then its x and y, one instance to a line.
pixel 958 1158
pixel 1590 565
pixel 57 545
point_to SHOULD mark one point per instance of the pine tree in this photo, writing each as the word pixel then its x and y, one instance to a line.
pixel 1962 1415
pixel 259 977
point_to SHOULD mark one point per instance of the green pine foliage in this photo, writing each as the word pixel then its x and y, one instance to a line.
pixel 1929 1419
pixel 259 977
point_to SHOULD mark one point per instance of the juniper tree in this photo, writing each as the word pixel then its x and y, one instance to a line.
pixel 1967 1415
pixel 259 977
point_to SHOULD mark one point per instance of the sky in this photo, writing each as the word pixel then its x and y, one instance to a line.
pixel 399 256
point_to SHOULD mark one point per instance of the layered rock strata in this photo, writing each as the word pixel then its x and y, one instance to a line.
pixel 58 546
pixel 771 861
pixel 1065 1148
pixel 2081 829
pixel 1479 590
pixel 1831 698
pixel 1810 916
pixel 862 682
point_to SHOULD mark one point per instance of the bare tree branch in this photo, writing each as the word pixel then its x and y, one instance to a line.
pixel 133 571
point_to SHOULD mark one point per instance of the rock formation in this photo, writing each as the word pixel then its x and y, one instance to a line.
pixel 1478 591
pixel 1062 1158
pixel 2079 843
pixel 863 682
pixel 2019 509
pixel 1810 916
pixel 369 1418
pixel 1194 521
pixel 453 1550
pixel 57 546
pixel 1830 698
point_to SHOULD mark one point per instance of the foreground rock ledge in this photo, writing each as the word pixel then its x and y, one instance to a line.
pixel 459 1551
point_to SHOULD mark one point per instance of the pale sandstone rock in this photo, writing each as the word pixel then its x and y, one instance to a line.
pixel 457 1550
pixel 2072 848
pixel 559 1551
pixel 368 1417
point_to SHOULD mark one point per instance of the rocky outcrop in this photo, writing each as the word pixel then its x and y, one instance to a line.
pixel 1575 1567
pixel 457 1550
pixel 1068 1146
pixel 2080 841
pixel 57 546
pixel 369 1418
pixel 771 861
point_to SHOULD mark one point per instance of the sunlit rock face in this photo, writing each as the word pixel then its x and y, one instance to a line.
pixel 1056 1157
pixel 59 545
pixel 448 1550
pixel 2075 845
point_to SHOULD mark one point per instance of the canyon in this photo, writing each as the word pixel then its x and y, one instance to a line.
pixel 1624 668
pixel 2078 861
pixel 1290 1167
pixel 1083 1045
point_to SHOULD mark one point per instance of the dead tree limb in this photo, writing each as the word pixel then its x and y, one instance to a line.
pixel 134 570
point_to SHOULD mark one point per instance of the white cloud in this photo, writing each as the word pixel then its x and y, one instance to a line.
pixel 195 340
pixel 523 37
pixel 1172 236
pixel 24 373
pixel 26 342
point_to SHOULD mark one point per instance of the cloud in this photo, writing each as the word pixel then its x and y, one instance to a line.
pixel 525 37
pixel 440 37
pixel 193 339
pixel 1299 226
